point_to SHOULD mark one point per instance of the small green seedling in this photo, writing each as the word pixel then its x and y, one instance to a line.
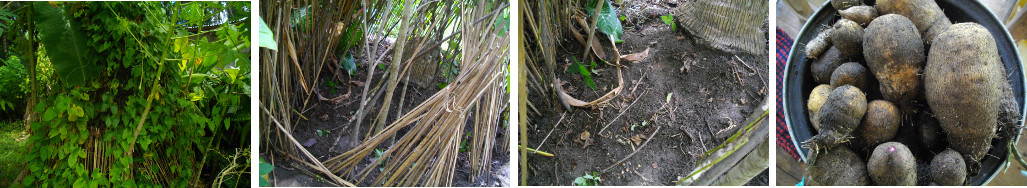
pixel 582 69
pixel 322 132
pixel 331 86
pixel 588 180
pixel 669 20
pixel 464 145
pixel 378 154
pixel 644 123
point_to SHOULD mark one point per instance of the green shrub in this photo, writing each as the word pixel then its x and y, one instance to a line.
pixel 12 76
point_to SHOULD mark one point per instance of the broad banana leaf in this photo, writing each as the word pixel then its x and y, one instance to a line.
pixel 66 45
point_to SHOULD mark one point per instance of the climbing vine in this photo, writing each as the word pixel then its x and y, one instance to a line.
pixel 145 93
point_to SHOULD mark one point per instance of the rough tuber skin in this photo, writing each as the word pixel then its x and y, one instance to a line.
pixel 816 100
pixel 894 54
pixel 839 116
pixel 819 44
pixel 847 36
pixel 880 123
pixel 824 66
pixel 860 14
pixel 838 166
pixel 963 82
pixel 925 14
pixel 845 4
pixel 948 168
pixel 850 73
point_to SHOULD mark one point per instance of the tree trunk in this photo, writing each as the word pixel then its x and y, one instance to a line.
pixel 29 115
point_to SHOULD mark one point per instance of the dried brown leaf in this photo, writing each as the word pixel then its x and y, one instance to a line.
pixel 636 57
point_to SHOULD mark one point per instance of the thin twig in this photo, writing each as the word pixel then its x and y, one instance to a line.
pixel 551 130
pixel 633 153
pixel 621 112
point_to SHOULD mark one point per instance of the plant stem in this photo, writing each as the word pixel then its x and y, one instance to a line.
pixel 149 98
pixel 547 154
pixel 401 41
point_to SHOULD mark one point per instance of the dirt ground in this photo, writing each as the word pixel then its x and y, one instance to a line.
pixel 711 90
pixel 333 120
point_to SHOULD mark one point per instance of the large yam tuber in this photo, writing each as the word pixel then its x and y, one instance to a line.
pixel 894 54
pixel 963 81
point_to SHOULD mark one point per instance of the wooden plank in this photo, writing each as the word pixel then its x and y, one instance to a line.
pixel 789 170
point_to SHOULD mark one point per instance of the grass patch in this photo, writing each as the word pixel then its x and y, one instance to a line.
pixel 12 148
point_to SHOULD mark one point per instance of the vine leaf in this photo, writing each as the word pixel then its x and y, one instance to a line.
pixel 65 44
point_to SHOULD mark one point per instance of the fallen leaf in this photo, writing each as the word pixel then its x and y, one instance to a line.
pixel 686 65
pixel 597 49
pixel 357 83
pixel 638 138
pixel 636 57
pixel 309 142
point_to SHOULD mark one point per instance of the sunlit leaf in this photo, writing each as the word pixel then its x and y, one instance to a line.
pixel 267 39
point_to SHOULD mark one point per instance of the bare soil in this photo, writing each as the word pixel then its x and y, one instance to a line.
pixel 711 91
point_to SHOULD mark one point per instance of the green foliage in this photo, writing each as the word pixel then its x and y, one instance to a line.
pixel 12 74
pixel 57 28
pixel 588 179
pixel 331 86
pixel 608 22
pixel 378 154
pixel 265 169
pixel 503 22
pixel 6 18
pixel 349 64
pixel 322 133
pixel 464 145
pixel 300 18
pixel 582 69
pixel 198 110
pixel 669 20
